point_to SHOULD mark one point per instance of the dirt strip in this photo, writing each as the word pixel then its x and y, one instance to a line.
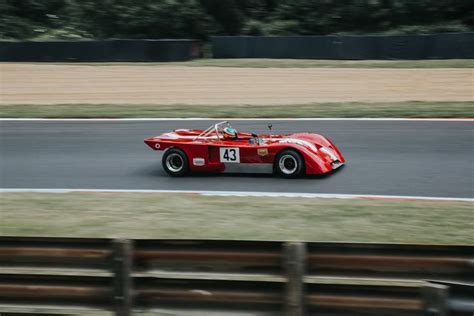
pixel 138 84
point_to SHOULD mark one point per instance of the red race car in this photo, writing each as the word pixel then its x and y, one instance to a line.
pixel 221 148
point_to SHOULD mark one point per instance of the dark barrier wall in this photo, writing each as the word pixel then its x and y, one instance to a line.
pixel 108 50
pixel 434 46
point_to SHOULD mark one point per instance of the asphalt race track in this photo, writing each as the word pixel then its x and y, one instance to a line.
pixel 411 158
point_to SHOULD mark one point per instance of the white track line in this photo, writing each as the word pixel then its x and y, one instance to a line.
pixel 244 194
pixel 237 119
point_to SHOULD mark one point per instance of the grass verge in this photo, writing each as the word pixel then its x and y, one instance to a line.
pixel 153 215
pixel 315 63
pixel 341 109
pixel 305 63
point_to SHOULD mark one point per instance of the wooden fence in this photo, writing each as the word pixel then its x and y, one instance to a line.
pixel 282 278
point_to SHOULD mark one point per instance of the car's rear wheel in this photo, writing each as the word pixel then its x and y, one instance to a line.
pixel 175 162
pixel 289 164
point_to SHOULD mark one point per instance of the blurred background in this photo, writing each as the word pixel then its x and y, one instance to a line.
pixel 92 225
pixel 200 19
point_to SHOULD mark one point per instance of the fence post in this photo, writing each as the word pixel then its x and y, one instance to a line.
pixel 294 262
pixel 435 298
pixel 122 269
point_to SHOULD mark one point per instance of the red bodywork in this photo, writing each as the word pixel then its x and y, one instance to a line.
pixel 205 153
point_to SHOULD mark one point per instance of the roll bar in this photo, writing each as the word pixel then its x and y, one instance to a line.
pixel 212 128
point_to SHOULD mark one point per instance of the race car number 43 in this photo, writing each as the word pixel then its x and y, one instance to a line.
pixel 229 154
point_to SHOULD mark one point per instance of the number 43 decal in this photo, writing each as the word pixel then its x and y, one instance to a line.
pixel 229 154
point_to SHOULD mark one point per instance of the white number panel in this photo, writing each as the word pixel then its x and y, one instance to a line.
pixel 229 154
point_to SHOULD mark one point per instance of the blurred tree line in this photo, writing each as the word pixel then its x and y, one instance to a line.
pixel 76 19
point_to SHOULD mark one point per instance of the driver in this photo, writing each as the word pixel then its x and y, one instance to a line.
pixel 229 133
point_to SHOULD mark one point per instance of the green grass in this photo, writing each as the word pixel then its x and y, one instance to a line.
pixel 342 109
pixel 151 215
pixel 314 63
pixel 305 63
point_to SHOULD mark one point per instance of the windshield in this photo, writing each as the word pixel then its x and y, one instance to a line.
pixel 214 130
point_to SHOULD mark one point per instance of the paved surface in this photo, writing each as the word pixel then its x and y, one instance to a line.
pixel 383 157
pixel 24 83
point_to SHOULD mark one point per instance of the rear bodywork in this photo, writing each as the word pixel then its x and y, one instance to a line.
pixel 208 151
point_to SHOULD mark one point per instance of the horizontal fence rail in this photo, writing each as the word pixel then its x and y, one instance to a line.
pixel 290 278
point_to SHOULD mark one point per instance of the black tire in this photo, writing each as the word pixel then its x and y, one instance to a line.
pixel 289 164
pixel 175 162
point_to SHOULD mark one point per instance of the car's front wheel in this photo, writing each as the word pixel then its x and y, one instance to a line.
pixel 289 164
pixel 175 162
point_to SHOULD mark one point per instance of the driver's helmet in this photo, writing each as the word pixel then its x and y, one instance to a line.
pixel 229 133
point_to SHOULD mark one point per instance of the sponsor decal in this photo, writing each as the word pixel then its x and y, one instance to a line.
pixel 262 152
pixel 157 146
pixel 199 161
